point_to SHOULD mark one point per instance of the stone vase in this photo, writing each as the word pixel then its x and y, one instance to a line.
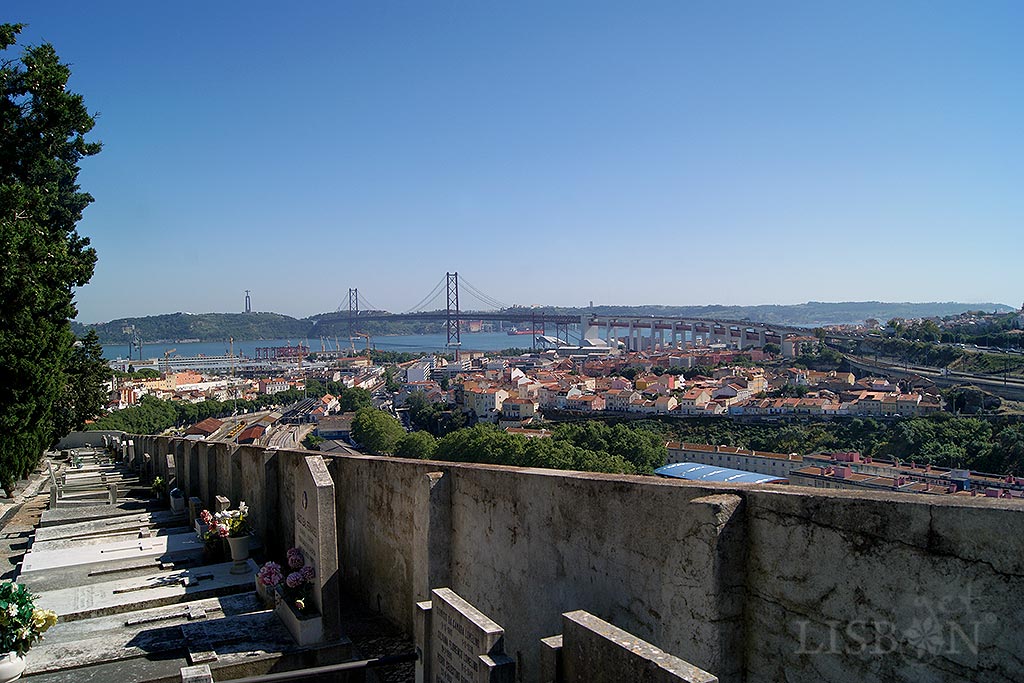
pixel 12 665
pixel 239 553
pixel 267 595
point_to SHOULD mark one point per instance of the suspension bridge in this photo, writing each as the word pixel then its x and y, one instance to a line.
pixel 454 300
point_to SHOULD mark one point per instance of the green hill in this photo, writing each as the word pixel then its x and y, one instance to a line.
pixel 202 326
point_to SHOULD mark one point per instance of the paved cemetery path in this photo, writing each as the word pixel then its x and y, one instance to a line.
pixel 19 522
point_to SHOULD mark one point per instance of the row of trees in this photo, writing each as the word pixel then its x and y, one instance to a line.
pixel 995 446
pixel 153 415
pixel 591 446
pixel 42 257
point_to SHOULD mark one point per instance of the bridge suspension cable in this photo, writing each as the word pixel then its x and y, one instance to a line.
pixel 434 293
pixel 366 304
pixel 485 299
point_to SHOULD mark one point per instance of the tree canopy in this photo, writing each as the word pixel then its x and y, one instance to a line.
pixel 376 431
pixel 43 128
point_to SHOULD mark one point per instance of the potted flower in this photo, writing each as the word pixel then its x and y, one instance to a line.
pixel 211 534
pixel 21 625
pixel 232 525
pixel 296 608
pixel 159 487
pixel 268 578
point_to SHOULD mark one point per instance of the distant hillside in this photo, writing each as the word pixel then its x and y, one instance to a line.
pixel 202 326
pixel 245 326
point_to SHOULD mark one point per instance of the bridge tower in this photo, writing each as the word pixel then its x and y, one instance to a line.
pixel 248 302
pixel 452 321
pixel 353 310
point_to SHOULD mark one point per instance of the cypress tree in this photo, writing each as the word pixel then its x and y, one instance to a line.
pixel 42 256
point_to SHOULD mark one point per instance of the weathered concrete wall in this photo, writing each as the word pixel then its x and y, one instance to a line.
pixel 658 560
pixel 902 589
pixel 377 509
pixel 749 583
pixel 83 439
pixel 592 648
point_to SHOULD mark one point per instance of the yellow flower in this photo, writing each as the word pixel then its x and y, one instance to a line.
pixel 43 619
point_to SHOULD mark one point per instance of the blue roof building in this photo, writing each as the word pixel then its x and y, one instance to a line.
pixel 695 471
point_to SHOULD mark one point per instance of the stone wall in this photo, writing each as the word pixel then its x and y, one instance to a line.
pixel 750 583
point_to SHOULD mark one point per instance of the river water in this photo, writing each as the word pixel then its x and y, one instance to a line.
pixel 413 343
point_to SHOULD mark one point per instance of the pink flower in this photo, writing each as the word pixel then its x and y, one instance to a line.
pixel 206 518
pixel 270 574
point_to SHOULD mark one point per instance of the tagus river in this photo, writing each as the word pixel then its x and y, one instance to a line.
pixel 413 343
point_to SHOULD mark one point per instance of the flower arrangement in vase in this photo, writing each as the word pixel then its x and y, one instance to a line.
pixel 230 524
pixel 296 586
pixel 268 578
pixel 22 624
pixel 295 606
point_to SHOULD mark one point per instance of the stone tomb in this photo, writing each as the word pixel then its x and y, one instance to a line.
pixel 137 634
pixel 316 535
pixel 457 643
pixel 157 589
pixel 68 561
pixel 590 650
pixel 159 522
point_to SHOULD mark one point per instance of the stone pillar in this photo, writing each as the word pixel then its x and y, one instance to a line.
pixel 432 530
pixel 207 472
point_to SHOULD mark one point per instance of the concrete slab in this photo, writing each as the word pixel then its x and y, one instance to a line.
pixel 67 552
pixel 234 660
pixel 97 511
pixel 154 590
pixel 141 633
pixel 108 537
pixel 112 525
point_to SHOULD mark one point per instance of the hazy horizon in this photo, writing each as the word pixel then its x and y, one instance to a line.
pixel 596 304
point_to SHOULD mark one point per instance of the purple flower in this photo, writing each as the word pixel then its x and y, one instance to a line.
pixel 295 558
pixel 294 580
pixel 307 573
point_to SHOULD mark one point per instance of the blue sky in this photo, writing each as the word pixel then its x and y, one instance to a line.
pixel 552 153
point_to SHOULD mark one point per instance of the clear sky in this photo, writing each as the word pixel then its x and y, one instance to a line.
pixel 551 152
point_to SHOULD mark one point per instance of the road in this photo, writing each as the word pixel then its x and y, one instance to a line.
pixel 1010 388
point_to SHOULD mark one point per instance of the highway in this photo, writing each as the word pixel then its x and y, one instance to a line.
pixel 1010 387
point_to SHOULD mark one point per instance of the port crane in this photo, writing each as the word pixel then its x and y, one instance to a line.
pixel 166 364
pixel 351 341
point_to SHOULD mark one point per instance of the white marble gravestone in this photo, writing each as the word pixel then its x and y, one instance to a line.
pixel 316 534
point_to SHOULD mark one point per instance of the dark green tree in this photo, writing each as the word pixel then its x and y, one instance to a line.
pixel 416 445
pixel 354 399
pixel 42 256
pixel 377 431
pixel 85 391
